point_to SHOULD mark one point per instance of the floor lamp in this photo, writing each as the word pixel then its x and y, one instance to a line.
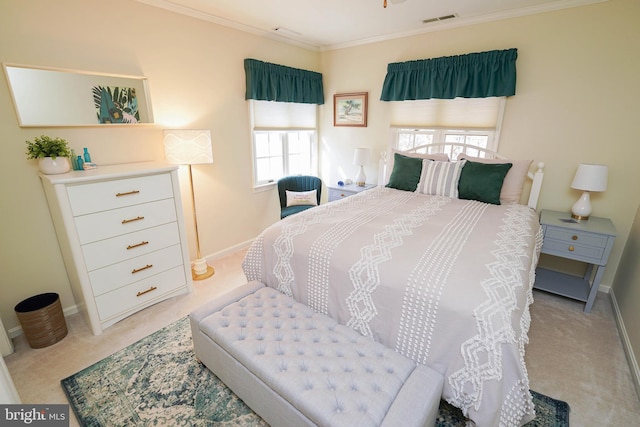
pixel 191 147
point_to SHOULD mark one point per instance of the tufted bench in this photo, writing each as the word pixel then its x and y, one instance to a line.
pixel 295 367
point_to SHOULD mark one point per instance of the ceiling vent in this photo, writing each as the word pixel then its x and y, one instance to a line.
pixel 440 18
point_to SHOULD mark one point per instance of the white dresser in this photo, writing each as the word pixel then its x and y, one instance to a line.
pixel 122 236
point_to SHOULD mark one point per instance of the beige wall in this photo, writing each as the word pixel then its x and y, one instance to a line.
pixel 576 99
pixel 196 78
pixel 626 294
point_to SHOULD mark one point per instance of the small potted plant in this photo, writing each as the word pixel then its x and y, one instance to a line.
pixel 52 154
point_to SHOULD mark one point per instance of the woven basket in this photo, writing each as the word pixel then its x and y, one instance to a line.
pixel 42 320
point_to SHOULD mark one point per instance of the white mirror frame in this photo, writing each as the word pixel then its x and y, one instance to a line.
pixel 49 97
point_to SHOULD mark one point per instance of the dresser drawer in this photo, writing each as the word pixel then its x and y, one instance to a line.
pixel 139 293
pixel 103 225
pixel 132 270
pixel 105 195
pixel 117 249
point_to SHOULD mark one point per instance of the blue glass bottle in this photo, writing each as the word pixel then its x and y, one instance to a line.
pixel 80 163
pixel 87 156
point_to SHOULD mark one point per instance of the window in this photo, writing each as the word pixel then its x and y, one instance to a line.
pixel 284 140
pixel 464 141
pixel 280 153
pixel 465 122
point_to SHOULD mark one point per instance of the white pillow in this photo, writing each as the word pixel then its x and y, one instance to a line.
pixel 440 178
pixel 295 198
pixel 513 182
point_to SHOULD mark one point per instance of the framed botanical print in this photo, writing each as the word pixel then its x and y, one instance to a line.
pixel 350 109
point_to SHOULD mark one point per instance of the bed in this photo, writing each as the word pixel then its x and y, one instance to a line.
pixel 441 277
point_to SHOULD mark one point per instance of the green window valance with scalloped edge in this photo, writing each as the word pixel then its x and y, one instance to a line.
pixel 474 75
pixel 273 82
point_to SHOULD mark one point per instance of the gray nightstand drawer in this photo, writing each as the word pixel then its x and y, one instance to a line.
pixel 575 244
pixel 574 236
pixel 591 254
pixel 337 193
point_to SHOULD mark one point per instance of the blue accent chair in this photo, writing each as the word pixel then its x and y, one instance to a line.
pixel 297 183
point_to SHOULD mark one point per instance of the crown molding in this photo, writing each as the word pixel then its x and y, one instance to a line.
pixel 431 27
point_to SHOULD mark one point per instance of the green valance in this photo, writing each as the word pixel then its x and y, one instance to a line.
pixel 474 75
pixel 273 82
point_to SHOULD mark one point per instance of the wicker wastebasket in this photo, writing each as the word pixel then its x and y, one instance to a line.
pixel 42 320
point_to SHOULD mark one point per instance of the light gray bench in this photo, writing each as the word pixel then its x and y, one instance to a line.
pixel 295 367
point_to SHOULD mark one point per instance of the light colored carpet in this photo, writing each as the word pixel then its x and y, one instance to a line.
pixel 572 356
pixel 158 381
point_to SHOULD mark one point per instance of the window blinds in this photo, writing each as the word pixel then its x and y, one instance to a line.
pixel 448 113
pixel 269 115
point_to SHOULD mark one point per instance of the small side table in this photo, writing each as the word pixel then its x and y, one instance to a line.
pixel 587 241
pixel 340 192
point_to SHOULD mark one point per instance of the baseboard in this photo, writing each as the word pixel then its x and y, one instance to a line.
pixel 228 251
pixel 626 343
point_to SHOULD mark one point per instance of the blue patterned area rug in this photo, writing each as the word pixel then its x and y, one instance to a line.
pixel 158 381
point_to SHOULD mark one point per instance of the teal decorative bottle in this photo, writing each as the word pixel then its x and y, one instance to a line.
pixel 74 160
pixel 87 156
pixel 80 163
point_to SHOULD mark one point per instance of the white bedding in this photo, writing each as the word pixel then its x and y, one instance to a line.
pixel 446 282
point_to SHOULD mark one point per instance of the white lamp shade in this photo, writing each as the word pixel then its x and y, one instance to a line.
pixel 361 156
pixel 590 177
pixel 188 147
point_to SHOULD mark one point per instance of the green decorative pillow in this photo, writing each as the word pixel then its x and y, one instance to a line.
pixel 406 173
pixel 482 181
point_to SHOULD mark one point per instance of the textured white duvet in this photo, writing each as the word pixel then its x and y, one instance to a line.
pixel 443 281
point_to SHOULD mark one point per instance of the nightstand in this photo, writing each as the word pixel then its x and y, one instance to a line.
pixel 340 192
pixel 587 241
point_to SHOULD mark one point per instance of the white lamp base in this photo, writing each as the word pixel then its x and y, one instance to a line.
pixel 361 178
pixel 200 270
pixel 581 209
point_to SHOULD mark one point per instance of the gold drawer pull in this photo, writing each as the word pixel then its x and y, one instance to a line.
pixel 574 237
pixel 128 193
pixel 137 245
pixel 127 221
pixel 151 289
pixel 571 249
pixel 138 270
pixel 342 195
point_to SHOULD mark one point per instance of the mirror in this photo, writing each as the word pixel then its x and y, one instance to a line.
pixel 57 97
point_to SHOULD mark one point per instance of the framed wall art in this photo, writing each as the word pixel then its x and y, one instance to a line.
pixel 350 109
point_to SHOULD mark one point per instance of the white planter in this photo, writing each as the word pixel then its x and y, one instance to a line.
pixel 49 166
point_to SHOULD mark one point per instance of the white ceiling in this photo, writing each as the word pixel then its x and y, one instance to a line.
pixel 331 24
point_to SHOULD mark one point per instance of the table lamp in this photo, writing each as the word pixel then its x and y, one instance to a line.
pixel 191 147
pixel 588 177
pixel 361 157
